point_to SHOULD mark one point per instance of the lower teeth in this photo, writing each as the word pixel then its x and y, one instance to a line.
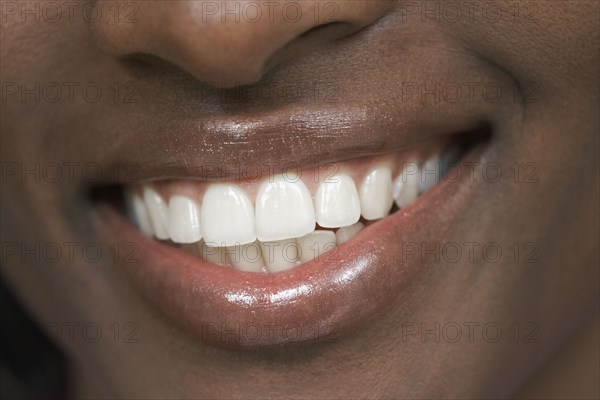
pixel 273 256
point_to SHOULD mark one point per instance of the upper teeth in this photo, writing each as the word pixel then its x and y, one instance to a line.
pixel 158 213
pixel 284 210
pixel 406 186
pixel 227 216
pixel 376 194
pixel 337 202
pixel 184 220
pixel 283 218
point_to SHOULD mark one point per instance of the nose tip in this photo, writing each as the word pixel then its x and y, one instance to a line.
pixel 225 42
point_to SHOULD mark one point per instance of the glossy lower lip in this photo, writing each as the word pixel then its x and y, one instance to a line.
pixel 316 301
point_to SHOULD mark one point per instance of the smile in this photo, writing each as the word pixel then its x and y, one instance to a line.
pixel 276 223
pixel 290 255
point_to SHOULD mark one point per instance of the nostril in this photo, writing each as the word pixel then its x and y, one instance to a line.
pixel 330 30
pixel 149 61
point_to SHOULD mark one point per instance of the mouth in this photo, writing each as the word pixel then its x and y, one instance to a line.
pixel 291 255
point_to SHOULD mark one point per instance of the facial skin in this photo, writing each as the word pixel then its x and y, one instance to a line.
pixel 551 52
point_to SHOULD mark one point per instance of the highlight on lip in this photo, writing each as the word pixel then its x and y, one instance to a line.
pixel 280 221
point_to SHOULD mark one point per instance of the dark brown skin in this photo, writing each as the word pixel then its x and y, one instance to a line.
pixel 553 48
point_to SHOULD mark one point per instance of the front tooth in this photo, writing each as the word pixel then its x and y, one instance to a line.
pixel 430 172
pixel 315 244
pixel 280 255
pixel 140 213
pixel 184 220
pixel 227 216
pixel 406 186
pixel 337 203
pixel 284 210
pixel 246 257
pixel 158 211
pixel 376 194
pixel 346 233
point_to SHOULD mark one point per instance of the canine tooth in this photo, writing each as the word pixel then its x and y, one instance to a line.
pixel 158 211
pixel 315 244
pixel 430 173
pixel 376 194
pixel 284 210
pixel 280 255
pixel 346 233
pixel 406 185
pixel 140 213
pixel 246 257
pixel 227 216
pixel 184 220
pixel 337 203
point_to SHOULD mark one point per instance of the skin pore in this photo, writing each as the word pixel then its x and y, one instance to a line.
pixel 166 69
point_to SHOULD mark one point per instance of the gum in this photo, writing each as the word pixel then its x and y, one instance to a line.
pixel 357 168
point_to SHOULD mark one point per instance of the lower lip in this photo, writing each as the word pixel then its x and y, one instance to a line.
pixel 317 301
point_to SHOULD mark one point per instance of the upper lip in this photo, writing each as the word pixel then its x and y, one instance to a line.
pixel 289 138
